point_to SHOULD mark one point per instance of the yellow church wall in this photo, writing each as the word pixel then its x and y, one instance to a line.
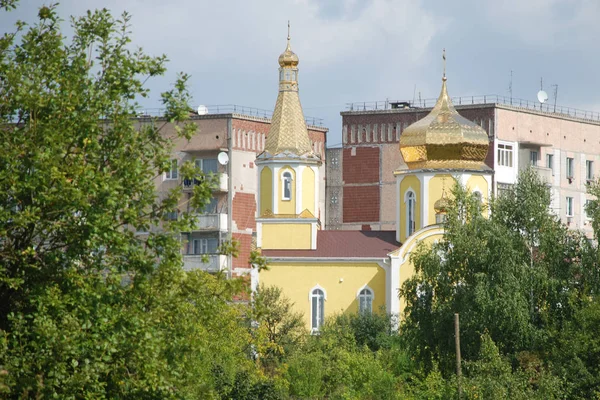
pixel 266 190
pixel 407 269
pixel 436 184
pixel 286 236
pixel 297 279
pixel 286 206
pixel 412 182
pixel 308 190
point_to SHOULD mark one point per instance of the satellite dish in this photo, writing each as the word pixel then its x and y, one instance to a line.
pixel 202 110
pixel 223 158
pixel 542 96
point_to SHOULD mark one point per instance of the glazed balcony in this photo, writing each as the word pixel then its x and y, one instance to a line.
pixel 207 262
pixel 211 222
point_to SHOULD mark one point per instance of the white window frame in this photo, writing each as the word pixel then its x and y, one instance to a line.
pixel 533 157
pixel 410 198
pixel 172 174
pixel 202 244
pixel 585 210
pixel 313 295
pixel 284 180
pixel 199 163
pixel 368 295
pixel 589 170
pixel 570 169
pixel 505 155
pixel 569 206
pixel 550 162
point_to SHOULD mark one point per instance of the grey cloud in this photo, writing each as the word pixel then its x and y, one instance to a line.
pixel 368 50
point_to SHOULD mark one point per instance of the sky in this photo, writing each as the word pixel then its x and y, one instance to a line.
pixel 361 50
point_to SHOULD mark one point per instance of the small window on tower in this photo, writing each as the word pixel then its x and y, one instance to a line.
pixel 287 186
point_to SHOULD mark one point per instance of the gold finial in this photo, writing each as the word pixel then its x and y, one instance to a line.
pixel 444 58
pixel 288 58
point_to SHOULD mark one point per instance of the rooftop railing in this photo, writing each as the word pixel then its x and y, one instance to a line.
pixel 230 109
pixel 474 100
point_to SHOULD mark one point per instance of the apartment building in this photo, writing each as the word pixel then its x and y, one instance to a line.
pixel 239 132
pixel 562 144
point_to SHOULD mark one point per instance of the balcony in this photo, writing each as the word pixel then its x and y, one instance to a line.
pixel 214 262
pixel 211 222
pixel 222 183
pixel 545 174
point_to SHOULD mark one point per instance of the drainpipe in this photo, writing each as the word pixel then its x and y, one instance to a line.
pixel 229 196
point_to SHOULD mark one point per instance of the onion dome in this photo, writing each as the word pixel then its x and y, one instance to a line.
pixel 444 139
pixel 441 205
pixel 288 58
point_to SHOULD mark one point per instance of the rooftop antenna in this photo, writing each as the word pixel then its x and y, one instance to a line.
pixel 555 86
pixel 510 86
pixel 414 93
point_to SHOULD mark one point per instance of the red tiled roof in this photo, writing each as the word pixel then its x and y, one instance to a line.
pixel 342 244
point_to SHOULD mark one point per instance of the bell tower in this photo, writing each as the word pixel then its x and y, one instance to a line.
pixel 288 170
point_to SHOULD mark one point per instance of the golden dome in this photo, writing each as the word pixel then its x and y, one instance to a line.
pixel 441 205
pixel 288 58
pixel 444 139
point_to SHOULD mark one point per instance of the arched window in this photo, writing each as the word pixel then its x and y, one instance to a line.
pixel 410 212
pixel 287 186
pixel 317 307
pixel 478 199
pixel 365 301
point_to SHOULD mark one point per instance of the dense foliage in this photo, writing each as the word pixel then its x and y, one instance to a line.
pixel 89 309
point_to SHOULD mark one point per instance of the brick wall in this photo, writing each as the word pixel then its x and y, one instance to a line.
pixel 361 165
pixel 244 210
pixel 361 203
pixel 245 247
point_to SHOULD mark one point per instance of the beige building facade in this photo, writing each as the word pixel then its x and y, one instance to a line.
pixel 240 133
pixel 562 145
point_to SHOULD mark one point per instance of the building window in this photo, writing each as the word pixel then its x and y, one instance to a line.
pixel 569 206
pixel 550 162
pixel 171 215
pixel 504 189
pixel 172 173
pixel 317 306
pixel 365 301
pixel 589 170
pixel 410 212
pixel 287 186
pixel 570 169
pixel 586 207
pixel 204 246
pixel 207 165
pixel 533 158
pixel 505 155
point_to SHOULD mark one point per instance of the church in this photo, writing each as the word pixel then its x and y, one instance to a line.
pixel 323 272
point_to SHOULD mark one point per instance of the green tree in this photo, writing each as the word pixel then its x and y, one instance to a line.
pixel 87 308
pixel 278 330
pixel 515 275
